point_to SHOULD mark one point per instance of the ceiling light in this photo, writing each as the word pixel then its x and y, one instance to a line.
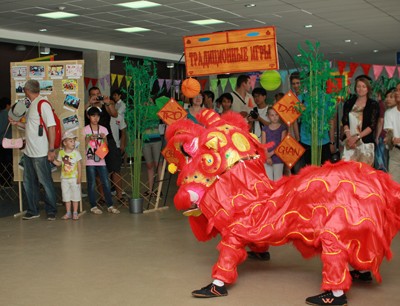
pixel 170 65
pixel 20 48
pixel 42 30
pixel 112 57
pixel 347 40
pixel 57 15
pixel 307 26
pixel 299 55
pixel 44 50
pixel 138 4
pixel 206 21
pixel 375 51
pixel 250 5
pixel 132 29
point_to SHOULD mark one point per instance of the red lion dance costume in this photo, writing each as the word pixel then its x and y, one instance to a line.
pixel 347 212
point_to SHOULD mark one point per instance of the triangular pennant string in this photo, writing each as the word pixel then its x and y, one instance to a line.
pixel 107 77
pixel 102 80
pixel 120 77
pixel 390 70
pixel 341 65
pixel 214 86
pixel 168 83
pixel 94 82
pixel 232 81
pixel 253 80
pixel 161 83
pixel 224 82
pixel 87 81
pixel 113 77
pixel 353 67
pixel 128 80
pixel 366 68
pixel 377 69
pixel 203 83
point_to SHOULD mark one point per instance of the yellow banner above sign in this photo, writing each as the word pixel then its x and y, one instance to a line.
pixel 231 52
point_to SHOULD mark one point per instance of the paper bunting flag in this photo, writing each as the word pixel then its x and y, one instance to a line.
pixel 128 80
pixel 94 82
pixel 107 77
pixel 113 77
pixel 120 77
pixel 366 68
pixel 87 81
pixel 390 70
pixel 168 83
pixel 253 80
pixel 160 83
pixel 102 82
pixel 353 67
pixel 203 83
pixel 224 82
pixel 232 81
pixel 214 86
pixel 377 69
pixel 341 65
pixel 289 150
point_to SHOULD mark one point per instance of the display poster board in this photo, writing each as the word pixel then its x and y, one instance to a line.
pixel 62 84
pixel 231 51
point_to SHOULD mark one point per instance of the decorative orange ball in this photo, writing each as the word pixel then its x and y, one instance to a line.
pixel 190 87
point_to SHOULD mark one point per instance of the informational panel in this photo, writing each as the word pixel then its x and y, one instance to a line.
pixel 62 84
pixel 231 51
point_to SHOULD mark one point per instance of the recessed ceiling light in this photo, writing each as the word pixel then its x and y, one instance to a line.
pixel 132 29
pixel 307 26
pixel 57 15
pixel 206 21
pixel 250 5
pixel 112 57
pixel 375 51
pixel 347 40
pixel 138 4
pixel 299 55
pixel 42 30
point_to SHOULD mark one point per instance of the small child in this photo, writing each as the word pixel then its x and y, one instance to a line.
pixel 95 135
pixel 274 132
pixel 70 161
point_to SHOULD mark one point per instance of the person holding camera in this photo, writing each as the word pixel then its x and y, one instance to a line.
pixel 258 117
pixel 95 135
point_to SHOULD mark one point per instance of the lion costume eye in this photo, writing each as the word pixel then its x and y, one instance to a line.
pixel 210 163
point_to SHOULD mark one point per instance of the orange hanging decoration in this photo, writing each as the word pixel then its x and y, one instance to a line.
pixel 190 88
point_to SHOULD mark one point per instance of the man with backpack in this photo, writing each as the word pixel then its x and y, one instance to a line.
pixel 40 135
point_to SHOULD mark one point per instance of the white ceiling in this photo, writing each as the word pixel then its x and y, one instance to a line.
pixel 370 24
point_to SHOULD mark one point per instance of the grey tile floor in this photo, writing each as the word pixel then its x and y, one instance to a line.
pixel 152 259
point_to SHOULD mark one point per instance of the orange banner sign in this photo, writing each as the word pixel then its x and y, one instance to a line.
pixel 289 150
pixel 171 112
pixel 231 52
pixel 286 107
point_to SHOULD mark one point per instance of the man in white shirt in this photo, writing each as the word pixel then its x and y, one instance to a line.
pixel 392 123
pixel 242 99
pixel 39 152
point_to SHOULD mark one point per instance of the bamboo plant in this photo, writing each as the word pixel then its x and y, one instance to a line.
pixel 139 114
pixel 320 106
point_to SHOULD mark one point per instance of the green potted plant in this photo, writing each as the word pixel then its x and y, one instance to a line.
pixel 140 115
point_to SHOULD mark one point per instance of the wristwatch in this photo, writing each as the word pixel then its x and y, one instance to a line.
pixel 332 143
pixel 107 104
pixel 51 150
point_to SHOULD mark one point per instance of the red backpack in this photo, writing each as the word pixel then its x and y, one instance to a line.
pixel 57 139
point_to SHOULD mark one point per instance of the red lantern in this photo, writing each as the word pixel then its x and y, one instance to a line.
pixel 190 88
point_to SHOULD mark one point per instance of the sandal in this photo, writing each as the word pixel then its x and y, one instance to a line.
pixel 113 210
pixel 75 216
pixel 265 256
pixel 66 216
pixel 96 210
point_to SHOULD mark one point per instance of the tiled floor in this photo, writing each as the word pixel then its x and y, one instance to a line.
pixel 151 259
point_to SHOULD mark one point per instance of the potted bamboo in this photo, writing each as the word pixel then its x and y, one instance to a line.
pixel 139 115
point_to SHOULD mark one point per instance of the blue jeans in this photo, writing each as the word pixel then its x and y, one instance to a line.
pixel 37 171
pixel 91 184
